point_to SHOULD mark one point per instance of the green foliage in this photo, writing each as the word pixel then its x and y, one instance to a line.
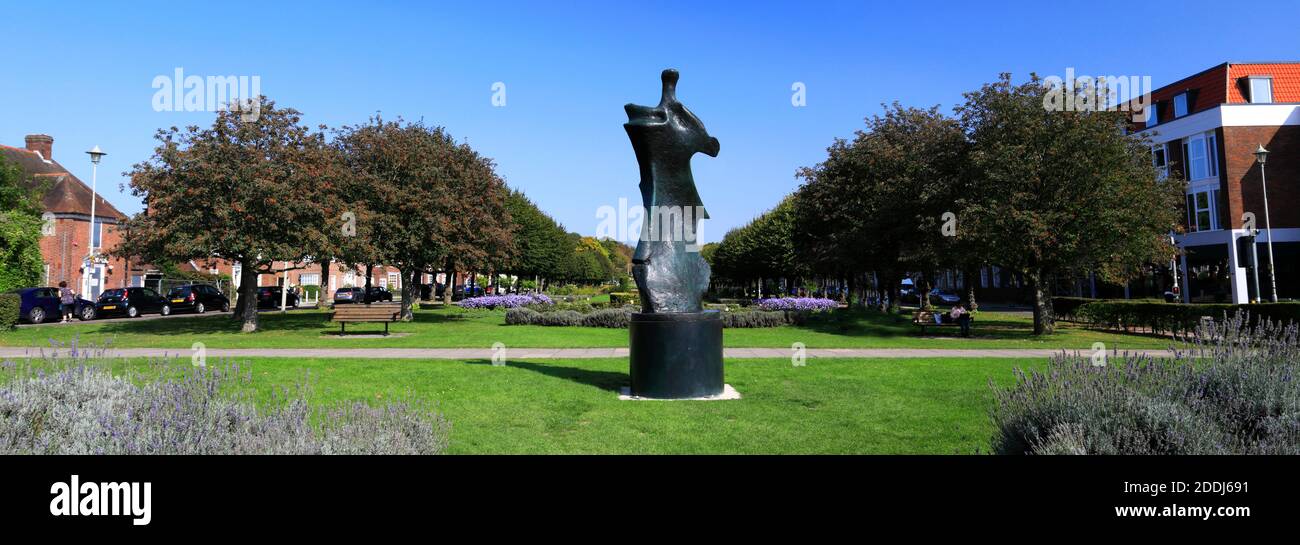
pixel 1161 317
pixel 762 249
pixel 1233 393
pixel 11 307
pixel 541 244
pixel 619 299
pixel 753 318
pixel 21 264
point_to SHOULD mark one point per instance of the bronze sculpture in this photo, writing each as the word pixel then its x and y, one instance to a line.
pixel 676 346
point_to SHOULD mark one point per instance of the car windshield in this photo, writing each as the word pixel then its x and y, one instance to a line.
pixel 178 291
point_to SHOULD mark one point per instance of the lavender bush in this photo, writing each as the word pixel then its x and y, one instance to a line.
pixel 1235 391
pixel 811 304
pixel 506 301
pixel 76 405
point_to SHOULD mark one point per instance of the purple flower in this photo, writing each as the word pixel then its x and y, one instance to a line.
pixel 812 304
pixel 506 301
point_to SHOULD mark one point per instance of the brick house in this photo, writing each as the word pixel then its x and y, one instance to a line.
pixel 66 248
pixel 1206 127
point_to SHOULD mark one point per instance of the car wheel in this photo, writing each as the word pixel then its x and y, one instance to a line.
pixel 166 310
pixel 200 309
pixel 225 307
pixel 36 315
pixel 87 314
pixel 132 312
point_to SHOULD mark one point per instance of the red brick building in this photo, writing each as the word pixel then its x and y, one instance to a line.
pixel 66 245
pixel 1207 127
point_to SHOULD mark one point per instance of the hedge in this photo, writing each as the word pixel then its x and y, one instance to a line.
pixel 1177 317
pixel 618 299
pixel 11 306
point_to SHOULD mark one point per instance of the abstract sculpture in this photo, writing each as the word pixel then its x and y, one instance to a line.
pixel 676 346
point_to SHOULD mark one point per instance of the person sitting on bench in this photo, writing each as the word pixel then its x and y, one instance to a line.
pixel 960 315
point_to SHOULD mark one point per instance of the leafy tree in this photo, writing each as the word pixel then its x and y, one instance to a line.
pixel 253 192
pixel 21 264
pixel 1056 193
pixel 541 245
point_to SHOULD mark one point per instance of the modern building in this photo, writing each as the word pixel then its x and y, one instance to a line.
pixel 1206 127
pixel 70 252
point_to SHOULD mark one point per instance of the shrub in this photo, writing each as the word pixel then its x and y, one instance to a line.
pixel 619 299
pixel 560 318
pixel 812 304
pixel 11 307
pixel 1233 392
pixel 753 318
pixel 78 406
pixel 1065 308
pixel 1176 317
pixel 505 301
pixel 608 317
pixel 522 316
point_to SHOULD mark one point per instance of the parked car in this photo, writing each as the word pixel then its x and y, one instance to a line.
pixel 131 302
pixel 269 297
pixel 945 297
pixel 43 305
pixel 358 295
pixel 198 298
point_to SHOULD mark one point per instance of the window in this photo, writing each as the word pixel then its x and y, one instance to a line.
pixel 1159 157
pixel 1201 210
pixel 47 274
pixel 1180 105
pixel 309 279
pixel 1202 156
pixel 1261 90
pixel 98 231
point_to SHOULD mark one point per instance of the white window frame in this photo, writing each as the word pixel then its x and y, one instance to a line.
pixel 1250 88
pixel 1160 158
pixel 1211 194
pixel 1198 166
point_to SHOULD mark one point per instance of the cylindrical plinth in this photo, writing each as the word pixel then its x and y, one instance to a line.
pixel 676 355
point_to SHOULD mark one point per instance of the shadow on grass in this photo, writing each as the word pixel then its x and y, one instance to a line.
pixel 605 380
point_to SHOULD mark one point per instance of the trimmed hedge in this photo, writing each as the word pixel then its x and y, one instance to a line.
pixel 1177 317
pixel 619 318
pixel 11 307
pixel 1066 308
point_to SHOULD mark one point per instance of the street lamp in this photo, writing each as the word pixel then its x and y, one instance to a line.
pixel 1261 155
pixel 95 155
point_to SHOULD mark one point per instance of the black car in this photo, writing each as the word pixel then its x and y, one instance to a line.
pixel 131 302
pixel 198 298
pixel 358 295
pixel 269 297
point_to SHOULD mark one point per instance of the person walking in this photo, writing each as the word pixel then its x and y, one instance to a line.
pixel 960 315
pixel 69 301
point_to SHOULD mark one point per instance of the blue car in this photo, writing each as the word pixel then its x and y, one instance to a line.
pixel 42 305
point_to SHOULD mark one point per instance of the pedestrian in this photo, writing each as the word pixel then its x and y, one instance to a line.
pixel 69 301
pixel 960 315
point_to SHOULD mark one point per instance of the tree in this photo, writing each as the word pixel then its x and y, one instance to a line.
pixel 253 192
pixel 21 264
pixel 541 245
pixel 1061 192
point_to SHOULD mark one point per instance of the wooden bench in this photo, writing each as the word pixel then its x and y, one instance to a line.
pixel 372 314
pixel 925 318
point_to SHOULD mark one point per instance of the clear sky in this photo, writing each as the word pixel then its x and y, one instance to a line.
pixel 83 73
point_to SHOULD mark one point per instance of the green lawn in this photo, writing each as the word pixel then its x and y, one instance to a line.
pixel 877 406
pixel 454 328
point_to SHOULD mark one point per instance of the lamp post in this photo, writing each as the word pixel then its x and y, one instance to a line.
pixel 95 155
pixel 1261 155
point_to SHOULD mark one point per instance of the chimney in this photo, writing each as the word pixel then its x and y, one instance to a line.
pixel 42 144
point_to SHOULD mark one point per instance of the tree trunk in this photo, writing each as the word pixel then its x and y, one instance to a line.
pixel 969 276
pixel 1044 322
pixel 323 294
pixel 448 285
pixel 923 293
pixel 370 271
pixel 891 288
pixel 248 297
pixel 410 291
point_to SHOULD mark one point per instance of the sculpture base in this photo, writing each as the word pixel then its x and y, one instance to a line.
pixel 676 355
pixel 625 394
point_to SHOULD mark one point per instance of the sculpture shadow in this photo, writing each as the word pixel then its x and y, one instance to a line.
pixel 605 380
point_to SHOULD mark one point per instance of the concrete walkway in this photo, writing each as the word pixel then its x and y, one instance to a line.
pixel 562 353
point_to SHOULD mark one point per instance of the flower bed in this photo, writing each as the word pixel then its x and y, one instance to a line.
pixel 813 304
pixel 506 301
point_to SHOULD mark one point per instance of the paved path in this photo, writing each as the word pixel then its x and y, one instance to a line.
pixel 563 353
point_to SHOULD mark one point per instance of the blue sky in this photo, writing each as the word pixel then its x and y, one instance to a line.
pixel 82 72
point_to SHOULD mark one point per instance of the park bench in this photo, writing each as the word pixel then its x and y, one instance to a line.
pixel 372 314
pixel 925 318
